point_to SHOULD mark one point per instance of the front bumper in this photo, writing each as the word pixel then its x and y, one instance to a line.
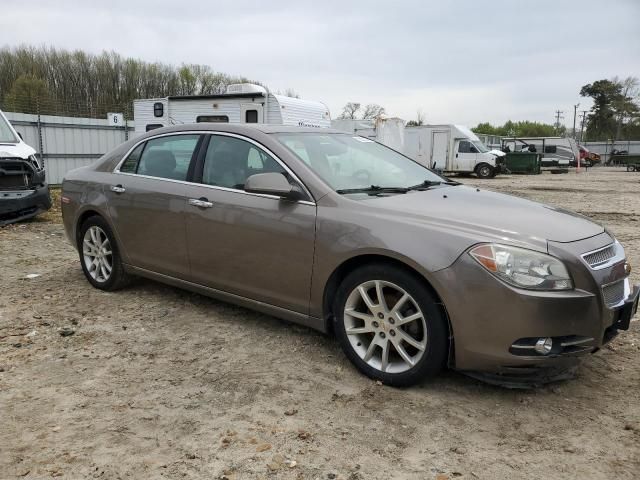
pixel 15 207
pixel 489 317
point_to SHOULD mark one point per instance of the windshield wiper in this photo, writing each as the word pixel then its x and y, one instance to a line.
pixel 432 183
pixel 373 190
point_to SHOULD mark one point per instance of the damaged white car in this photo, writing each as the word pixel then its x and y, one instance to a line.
pixel 23 189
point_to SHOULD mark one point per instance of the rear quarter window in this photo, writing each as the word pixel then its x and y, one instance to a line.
pixel 130 165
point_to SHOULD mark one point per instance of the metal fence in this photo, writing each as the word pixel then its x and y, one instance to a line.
pixel 604 148
pixel 65 143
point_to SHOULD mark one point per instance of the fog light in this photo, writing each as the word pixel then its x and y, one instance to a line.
pixel 544 346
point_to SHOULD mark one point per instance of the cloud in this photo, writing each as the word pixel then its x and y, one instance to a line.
pixel 461 62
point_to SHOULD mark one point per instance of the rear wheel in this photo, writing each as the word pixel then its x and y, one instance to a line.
pixel 99 255
pixel 389 325
pixel 485 170
pixel 631 168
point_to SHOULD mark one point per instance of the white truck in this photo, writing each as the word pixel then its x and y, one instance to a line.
pixel 451 149
pixel 242 103
pixel 24 192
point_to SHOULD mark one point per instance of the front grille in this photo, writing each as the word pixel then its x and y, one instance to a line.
pixel 613 293
pixel 600 256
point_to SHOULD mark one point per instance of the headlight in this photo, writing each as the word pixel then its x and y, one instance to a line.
pixel 523 268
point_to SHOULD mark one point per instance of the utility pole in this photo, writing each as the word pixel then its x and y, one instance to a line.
pixel 583 117
pixel 558 117
pixel 575 110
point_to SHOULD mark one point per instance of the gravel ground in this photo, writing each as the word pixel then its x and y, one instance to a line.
pixel 154 382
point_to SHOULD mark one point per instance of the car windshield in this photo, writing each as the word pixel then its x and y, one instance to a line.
pixel 349 162
pixel 6 133
pixel 480 146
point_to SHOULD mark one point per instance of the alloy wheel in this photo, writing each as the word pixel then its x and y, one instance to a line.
pixel 385 326
pixel 97 254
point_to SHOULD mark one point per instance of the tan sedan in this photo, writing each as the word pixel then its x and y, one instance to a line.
pixel 412 272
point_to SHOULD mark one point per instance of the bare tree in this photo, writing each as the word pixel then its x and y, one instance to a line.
pixel 350 111
pixel 419 119
pixel 373 111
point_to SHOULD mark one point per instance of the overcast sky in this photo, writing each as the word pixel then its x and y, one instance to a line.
pixel 459 61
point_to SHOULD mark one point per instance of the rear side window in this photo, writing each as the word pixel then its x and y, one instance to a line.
pixel 130 165
pixel 550 149
pixel 168 157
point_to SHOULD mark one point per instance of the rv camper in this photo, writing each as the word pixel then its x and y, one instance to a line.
pixel 451 149
pixel 242 103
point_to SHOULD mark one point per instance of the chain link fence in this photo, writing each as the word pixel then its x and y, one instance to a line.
pixel 68 135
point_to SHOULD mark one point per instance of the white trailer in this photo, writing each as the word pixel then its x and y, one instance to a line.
pixel 388 131
pixel 242 103
pixel 451 149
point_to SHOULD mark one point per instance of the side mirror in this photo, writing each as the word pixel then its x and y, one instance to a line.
pixel 272 183
pixel 20 135
pixel 473 150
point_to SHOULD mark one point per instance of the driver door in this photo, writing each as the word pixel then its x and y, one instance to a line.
pixel 466 156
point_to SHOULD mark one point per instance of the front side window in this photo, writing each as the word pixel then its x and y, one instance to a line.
pixel 464 147
pixel 345 161
pixel 6 133
pixel 229 161
pixel 167 157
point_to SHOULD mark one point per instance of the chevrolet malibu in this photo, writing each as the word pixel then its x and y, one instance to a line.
pixel 410 271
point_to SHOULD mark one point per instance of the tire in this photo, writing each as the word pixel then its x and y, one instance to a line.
pixel 423 356
pixel 96 231
pixel 631 168
pixel 485 170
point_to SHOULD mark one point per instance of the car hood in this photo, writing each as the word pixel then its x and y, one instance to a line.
pixel 16 150
pixel 491 215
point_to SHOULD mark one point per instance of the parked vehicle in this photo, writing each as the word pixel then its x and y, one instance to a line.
pixel 23 190
pixel 558 154
pixel 451 149
pixel 242 103
pixel 587 157
pixel 409 270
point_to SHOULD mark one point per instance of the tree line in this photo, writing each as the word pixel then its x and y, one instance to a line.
pixel 57 81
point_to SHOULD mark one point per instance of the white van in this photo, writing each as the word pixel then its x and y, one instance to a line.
pixel 23 189
pixel 242 103
pixel 451 149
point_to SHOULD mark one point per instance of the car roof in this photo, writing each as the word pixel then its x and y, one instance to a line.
pixel 241 128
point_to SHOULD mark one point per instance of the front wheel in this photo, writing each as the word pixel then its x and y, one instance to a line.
pixel 485 171
pixel 631 168
pixel 389 325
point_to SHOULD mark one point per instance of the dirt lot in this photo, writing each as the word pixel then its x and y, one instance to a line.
pixel 160 383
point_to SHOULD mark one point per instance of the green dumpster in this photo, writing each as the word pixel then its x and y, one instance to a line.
pixel 523 162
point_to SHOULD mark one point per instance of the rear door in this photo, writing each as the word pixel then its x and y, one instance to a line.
pixel 147 198
pixel 255 246
pixel 439 150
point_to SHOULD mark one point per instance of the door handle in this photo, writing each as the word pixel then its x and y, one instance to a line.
pixel 456 155
pixel 118 189
pixel 202 202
